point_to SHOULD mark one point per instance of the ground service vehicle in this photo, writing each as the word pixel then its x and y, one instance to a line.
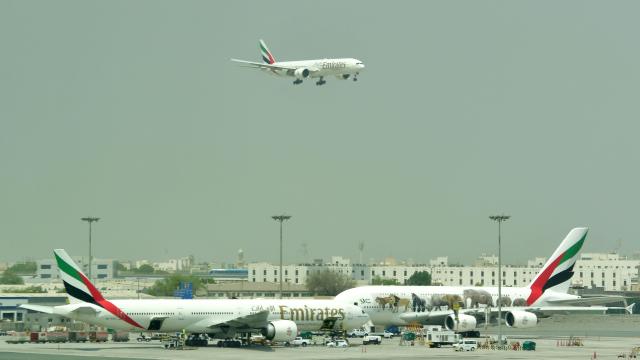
pixel 372 339
pixel 299 341
pixel 466 345
pixel 437 337
pixel 357 333
pixel 338 344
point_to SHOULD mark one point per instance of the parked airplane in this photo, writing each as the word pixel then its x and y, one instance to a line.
pixel 278 320
pixel 462 308
pixel 302 69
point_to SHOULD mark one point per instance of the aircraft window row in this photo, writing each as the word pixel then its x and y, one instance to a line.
pixel 212 313
pixel 152 313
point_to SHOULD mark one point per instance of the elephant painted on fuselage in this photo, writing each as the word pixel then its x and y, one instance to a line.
pixel 477 297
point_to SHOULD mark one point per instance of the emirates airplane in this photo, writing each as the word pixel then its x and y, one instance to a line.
pixel 463 308
pixel 277 320
pixel 342 69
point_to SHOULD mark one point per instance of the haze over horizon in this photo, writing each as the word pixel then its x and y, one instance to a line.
pixel 132 112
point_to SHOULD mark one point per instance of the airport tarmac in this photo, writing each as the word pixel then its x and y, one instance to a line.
pixel 389 349
pixel 606 336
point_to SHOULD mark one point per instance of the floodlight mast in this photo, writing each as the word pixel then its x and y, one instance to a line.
pixel 90 220
pixel 281 218
pixel 499 219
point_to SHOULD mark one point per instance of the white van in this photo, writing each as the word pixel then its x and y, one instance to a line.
pixel 466 345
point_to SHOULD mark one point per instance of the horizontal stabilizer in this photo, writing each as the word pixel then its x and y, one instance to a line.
pixel 38 308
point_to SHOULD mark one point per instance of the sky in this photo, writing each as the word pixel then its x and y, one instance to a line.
pixel 132 112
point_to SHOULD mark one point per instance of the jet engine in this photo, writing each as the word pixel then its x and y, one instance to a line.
pixel 464 323
pixel 520 319
pixel 280 330
pixel 301 73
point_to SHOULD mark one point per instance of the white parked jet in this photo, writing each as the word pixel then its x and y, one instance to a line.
pixel 302 69
pixel 278 320
pixel 461 308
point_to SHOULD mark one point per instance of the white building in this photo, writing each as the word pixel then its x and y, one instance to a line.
pixel 608 271
pixel 47 269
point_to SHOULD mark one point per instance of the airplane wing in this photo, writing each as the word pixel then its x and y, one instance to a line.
pixel 252 321
pixel 590 300
pixel 263 65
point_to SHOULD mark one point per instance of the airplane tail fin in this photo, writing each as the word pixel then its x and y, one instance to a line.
pixel 75 281
pixel 557 272
pixel 267 56
pixel 80 288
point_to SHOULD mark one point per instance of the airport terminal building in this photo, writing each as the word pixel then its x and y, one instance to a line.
pixel 606 271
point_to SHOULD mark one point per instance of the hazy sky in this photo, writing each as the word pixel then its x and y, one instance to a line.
pixel 132 111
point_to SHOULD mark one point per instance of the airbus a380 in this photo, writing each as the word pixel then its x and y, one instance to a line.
pixel 278 320
pixel 434 305
pixel 343 68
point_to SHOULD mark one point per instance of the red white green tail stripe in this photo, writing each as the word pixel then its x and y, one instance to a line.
pixel 267 57
pixel 79 287
pixel 558 270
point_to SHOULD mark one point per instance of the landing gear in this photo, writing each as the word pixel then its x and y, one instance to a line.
pixel 297 82
pixel 321 81
pixel 355 77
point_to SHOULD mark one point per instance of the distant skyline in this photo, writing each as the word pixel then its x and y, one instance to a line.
pixel 133 112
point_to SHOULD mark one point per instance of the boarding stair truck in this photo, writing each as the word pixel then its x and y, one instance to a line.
pixel 437 336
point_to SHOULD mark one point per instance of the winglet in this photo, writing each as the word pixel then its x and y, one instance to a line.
pixel 629 308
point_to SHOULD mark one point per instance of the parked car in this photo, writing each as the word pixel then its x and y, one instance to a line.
pixel 357 333
pixel 338 344
pixel 466 345
pixel 372 339
pixel 300 341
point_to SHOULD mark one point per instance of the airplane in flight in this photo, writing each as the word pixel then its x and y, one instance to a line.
pixel 462 308
pixel 278 320
pixel 342 69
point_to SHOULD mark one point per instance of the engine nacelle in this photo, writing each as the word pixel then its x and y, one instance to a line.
pixel 301 73
pixel 520 319
pixel 280 330
pixel 464 323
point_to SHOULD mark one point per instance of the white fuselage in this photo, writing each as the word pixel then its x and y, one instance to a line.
pixel 386 304
pixel 321 67
pixel 197 316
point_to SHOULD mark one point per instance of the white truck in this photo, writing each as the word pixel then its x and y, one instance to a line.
pixel 372 339
pixel 299 341
pixel 437 337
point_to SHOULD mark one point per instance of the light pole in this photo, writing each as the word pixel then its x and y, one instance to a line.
pixel 281 219
pixel 90 220
pixel 499 219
